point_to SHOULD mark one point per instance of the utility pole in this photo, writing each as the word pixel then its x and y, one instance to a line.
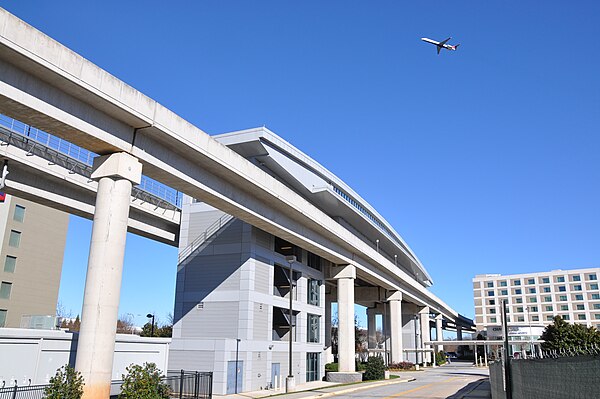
pixel 506 357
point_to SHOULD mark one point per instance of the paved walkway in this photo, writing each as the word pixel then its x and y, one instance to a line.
pixel 321 389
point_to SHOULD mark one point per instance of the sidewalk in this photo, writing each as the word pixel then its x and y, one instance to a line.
pixel 316 389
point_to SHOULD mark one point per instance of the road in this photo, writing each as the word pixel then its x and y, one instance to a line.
pixel 451 381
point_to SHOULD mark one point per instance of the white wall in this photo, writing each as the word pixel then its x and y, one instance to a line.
pixel 36 354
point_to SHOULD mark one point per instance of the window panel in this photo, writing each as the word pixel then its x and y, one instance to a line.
pixel 312 332
pixel 2 317
pixel 19 214
pixel 14 239
pixel 5 288
pixel 9 264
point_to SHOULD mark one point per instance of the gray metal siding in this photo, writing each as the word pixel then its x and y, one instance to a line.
pixel 214 320
pixel 190 359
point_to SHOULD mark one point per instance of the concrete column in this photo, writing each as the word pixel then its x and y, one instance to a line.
pixel 345 277
pixel 395 307
pixel 371 328
pixel 439 334
pixel 458 333
pixel 425 333
pixel 115 174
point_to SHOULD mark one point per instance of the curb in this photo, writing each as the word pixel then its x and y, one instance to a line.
pixel 359 388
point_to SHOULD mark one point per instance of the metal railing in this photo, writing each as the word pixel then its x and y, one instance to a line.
pixel 182 383
pixel 78 160
pixel 201 239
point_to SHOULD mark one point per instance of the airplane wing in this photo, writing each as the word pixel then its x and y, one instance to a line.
pixel 445 41
pixel 439 48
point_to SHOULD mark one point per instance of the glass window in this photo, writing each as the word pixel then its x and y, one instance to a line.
pixel 9 264
pixel 532 290
pixel 520 318
pixel 546 289
pixel 2 317
pixel 492 301
pixel 549 318
pixel 312 327
pixel 560 279
pixel 533 299
pixel 312 366
pixel 314 291
pixel 520 309
pixel 516 282
pixel 579 297
pixel 577 278
pixel 562 288
pixel 547 299
pixel 562 297
pixel 593 286
pixel 490 284
pixel 533 309
pixel 490 293
pixel 564 307
pixel 580 307
pixel 596 316
pixel 581 316
pixel 19 215
pixel 5 289
pixel 592 276
pixel 545 280
pixel 504 292
pixel 492 311
pixel 502 283
pixel 493 319
pixel 597 306
pixel 15 239
pixel 548 308
pixel 518 291
pixel 530 281
pixel 519 300
pixel 577 287
pixel 565 317
pixel 595 296
pixel 535 318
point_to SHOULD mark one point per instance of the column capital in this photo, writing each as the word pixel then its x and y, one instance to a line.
pixel 424 309
pixel 394 296
pixel 343 271
pixel 120 165
pixel 439 317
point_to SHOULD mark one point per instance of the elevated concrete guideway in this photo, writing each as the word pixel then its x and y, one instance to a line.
pixel 49 86
pixel 46 85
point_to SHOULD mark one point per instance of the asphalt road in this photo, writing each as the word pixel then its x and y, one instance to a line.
pixel 450 381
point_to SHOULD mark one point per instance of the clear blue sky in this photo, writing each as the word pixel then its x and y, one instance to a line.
pixel 485 159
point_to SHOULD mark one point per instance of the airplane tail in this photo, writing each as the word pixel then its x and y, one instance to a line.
pixel 456 46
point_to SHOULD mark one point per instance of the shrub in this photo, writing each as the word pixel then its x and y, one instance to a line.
pixel 144 382
pixel 331 367
pixel 440 358
pixel 360 366
pixel 66 384
pixel 375 369
pixel 401 366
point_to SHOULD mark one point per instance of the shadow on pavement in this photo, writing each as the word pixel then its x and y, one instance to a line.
pixel 472 374
pixel 470 390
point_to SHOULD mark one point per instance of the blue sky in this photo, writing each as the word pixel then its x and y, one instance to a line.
pixel 485 159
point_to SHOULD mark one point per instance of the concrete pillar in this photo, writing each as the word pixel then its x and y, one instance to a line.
pixel 395 306
pixel 439 334
pixel 458 333
pixel 371 328
pixel 425 333
pixel 345 276
pixel 115 174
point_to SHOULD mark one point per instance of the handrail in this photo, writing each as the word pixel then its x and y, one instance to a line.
pixel 212 229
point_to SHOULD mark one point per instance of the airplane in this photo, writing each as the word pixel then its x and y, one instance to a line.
pixel 441 45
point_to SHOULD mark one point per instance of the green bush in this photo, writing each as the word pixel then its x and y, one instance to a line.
pixel 375 369
pixel 360 366
pixel 144 382
pixel 66 384
pixel 333 367
pixel 440 358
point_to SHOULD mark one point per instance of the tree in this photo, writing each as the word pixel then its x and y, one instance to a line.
pixel 71 324
pixel 144 382
pixel 561 335
pixel 125 325
pixel 66 384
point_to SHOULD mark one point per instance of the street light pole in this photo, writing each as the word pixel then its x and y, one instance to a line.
pixel 290 383
pixel 237 367
pixel 416 344
pixel 151 315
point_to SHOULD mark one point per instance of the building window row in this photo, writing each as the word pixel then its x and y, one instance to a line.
pixel 542 280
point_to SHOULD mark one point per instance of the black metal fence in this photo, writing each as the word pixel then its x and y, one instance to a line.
pixel 548 378
pixel 183 384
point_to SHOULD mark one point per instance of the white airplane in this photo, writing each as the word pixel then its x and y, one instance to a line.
pixel 441 45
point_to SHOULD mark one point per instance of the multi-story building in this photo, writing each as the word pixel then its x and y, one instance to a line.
pixel 535 298
pixel 31 259
pixel 234 282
